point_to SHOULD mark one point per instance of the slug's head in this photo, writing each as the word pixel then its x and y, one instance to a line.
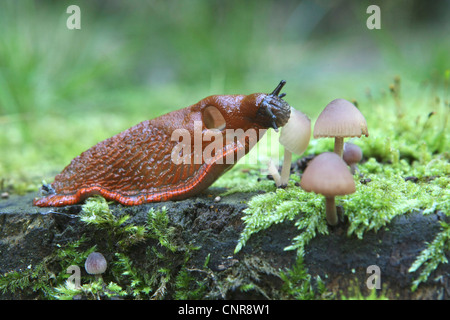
pixel 257 110
pixel 273 109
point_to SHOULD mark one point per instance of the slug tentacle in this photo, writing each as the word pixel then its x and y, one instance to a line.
pixel 138 166
pixel 277 90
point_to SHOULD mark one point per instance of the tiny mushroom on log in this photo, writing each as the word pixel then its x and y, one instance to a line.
pixel 95 264
pixel 340 119
pixel 294 137
pixel 327 174
pixel 352 155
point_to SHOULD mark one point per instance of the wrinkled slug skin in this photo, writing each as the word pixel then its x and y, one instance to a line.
pixel 135 166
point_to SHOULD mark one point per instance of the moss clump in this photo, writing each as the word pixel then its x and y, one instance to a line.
pixel 189 287
pixel 42 278
pixel 300 285
pixel 96 212
pixel 153 278
pixel 285 205
pixel 243 179
pixel 430 258
pixel 356 294
pixel 372 207
pixel 94 290
pixel 388 195
pixel 35 279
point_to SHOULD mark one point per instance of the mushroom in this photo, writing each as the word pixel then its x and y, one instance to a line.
pixel 340 119
pixel 352 155
pixel 294 137
pixel 95 264
pixel 327 174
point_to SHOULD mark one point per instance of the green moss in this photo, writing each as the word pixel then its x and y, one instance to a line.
pixel 191 287
pixel 164 271
pixel 300 285
pixel 73 254
pixel 158 228
pixel 370 208
pixel 356 294
pixel 285 205
pixel 33 280
pixel 430 258
pixel 137 282
pixel 96 212
pixel 95 290
pixel 244 178
pixel 43 278
pixel 387 195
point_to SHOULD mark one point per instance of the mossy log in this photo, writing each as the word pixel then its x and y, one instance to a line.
pixel 29 235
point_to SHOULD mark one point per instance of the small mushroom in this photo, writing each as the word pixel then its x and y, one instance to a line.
pixel 340 119
pixel 294 137
pixel 95 264
pixel 352 155
pixel 327 174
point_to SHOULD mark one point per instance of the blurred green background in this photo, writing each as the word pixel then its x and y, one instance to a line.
pixel 62 91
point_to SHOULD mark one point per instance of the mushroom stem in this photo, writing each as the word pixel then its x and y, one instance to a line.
pixel 354 169
pixel 273 171
pixel 286 168
pixel 330 209
pixel 98 277
pixel 339 146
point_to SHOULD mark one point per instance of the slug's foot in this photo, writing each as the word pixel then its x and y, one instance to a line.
pixel 59 200
pixel 55 200
pixel 274 107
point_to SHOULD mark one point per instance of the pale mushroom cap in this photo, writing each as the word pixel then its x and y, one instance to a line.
pixel 352 153
pixel 328 175
pixel 296 132
pixel 340 118
pixel 95 263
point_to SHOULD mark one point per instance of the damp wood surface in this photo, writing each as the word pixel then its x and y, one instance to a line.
pixel 29 235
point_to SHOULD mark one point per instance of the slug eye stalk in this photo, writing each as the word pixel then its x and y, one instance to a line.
pixel 276 91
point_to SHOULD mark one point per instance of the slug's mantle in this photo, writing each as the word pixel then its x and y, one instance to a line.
pixel 136 166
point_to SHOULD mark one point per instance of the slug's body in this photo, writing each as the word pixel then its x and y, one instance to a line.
pixel 136 166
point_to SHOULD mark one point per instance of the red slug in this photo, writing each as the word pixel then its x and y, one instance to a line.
pixel 143 164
